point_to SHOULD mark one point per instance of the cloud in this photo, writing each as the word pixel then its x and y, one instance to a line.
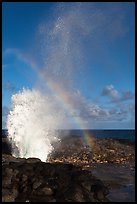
pixel 131 106
pixel 95 112
pixel 109 114
pixel 116 96
pixel 112 111
pixel 63 51
pixel 87 111
pixel 127 95
pixel 109 90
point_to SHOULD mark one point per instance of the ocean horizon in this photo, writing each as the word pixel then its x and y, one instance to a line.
pixel 127 134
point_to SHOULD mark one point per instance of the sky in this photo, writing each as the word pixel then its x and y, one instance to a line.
pixel 87 48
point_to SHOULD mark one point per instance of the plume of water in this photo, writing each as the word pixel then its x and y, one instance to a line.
pixel 35 115
pixel 32 124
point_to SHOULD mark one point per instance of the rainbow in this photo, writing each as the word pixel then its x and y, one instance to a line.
pixel 65 100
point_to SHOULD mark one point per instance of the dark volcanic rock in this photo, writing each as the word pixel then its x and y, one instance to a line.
pixel 6 146
pixel 49 182
pixel 73 150
pixel 67 177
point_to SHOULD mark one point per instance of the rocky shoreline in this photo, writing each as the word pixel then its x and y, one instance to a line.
pixel 97 151
pixel 68 175
pixel 35 181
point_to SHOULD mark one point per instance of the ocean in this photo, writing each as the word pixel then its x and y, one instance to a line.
pixel 114 134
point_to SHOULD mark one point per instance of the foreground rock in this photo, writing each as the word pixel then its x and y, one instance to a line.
pixel 36 181
pixel 6 146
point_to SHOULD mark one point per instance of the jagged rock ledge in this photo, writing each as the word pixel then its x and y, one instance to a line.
pixel 30 180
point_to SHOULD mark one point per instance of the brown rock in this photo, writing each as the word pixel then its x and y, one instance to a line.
pixel 24 177
pixel 48 182
pixel 5 191
pixel 47 191
pixel 8 171
pixel 15 192
pixel 8 198
pixel 6 182
pixel 33 160
pixel 15 172
pixel 36 184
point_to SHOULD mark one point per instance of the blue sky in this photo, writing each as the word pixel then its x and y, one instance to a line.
pixel 100 40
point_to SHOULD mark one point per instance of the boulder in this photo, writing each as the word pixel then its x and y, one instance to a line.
pixel 50 182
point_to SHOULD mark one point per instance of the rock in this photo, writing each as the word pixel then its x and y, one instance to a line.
pixel 104 151
pixel 33 160
pixel 47 191
pixel 55 182
pixel 8 198
pixel 8 171
pixel 100 191
pixel 6 146
pixel 86 185
pixel 36 184
pixel 53 200
pixel 24 189
pixel 15 192
pixel 6 182
pixel 78 197
pixel 9 195
pixel 24 177
pixel 74 194
pixel 5 191
pixel 15 172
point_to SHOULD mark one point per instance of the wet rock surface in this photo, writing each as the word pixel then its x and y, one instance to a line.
pixel 6 146
pixel 111 160
pixel 50 182
pixel 97 151
pixel 102 171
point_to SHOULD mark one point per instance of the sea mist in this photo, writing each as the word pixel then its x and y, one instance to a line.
pixel 36 114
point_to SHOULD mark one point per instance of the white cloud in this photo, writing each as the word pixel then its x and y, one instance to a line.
pixel 127 95
pixel 116 96
pixel 109 90
pixel 131 106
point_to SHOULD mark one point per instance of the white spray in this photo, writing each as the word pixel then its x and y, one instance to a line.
pixel 32 124
pixel 35 116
